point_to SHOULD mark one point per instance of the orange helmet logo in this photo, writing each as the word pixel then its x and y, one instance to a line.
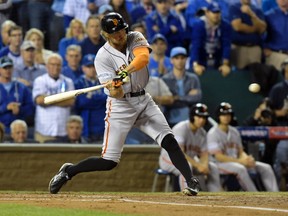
pixel 115 22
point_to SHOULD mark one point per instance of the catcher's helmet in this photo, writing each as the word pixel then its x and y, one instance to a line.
pixel 113 22
pixel 198 109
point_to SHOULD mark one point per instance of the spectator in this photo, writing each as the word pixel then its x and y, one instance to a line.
pixel 139 12
pixel 13 49
pixel 28 71
pixel 140 27
pixel 92 43
pixel 159 63
pixel 56 27
pixel 19 14
pixel 184 86
pixel 37 36
pixel 264 116
pixel 74 127
pixel 163 21
pixel 19 132
pixel 16 99
pixel 40 17
pixel 50 120
pixel 119 6
pixel 279 97
pixel 5 8
pixel 281 163
pixel 74 34
pixel 2 132
pixel 104 9
pixel 211 42
pixel 73 57
pixel 80 9
pixel 248 25
pixel 276 45
pixel 225 146
pixel 91 106
pixel 191 137
pixel 5 28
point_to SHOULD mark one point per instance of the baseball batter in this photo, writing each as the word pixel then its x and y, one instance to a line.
pixel 224 143
pixel 191 137
pixel 126 54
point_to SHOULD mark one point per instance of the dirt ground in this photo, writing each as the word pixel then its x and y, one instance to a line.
pixel 160 204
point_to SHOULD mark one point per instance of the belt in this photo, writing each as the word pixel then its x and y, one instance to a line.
pixel 281 51
pixel 134 94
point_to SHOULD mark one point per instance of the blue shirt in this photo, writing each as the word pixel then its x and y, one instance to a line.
pixel 91 107
pixel 62 46
pixel 277 30
pixel 90 48
pixel 241 38
pixel 153 66
pixel 74 75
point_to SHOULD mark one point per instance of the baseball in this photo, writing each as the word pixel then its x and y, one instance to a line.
pixel 254 87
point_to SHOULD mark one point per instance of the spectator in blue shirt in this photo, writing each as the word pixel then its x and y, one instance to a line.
pixel 16 99
pixel 163 21
pixel 28 70
pixel 185 87
pixel 159 63
pixel 248 24
pixel 211 42
pixel 73 68
pixel 92 43
pixel 91 106
pixel 276 42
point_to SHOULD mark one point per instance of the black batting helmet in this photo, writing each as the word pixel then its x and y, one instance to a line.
pixel 223 109
pixel 113 22
pixel 198 109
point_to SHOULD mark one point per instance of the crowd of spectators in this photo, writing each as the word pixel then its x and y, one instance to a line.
pixel 49 46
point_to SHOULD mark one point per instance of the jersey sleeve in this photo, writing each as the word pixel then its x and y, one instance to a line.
pixel 136 39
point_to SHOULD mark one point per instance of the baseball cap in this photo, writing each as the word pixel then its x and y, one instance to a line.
pixel 159 36
pixel 27 45
pixel 88 60
pixel 5 61
pixel 214 7
pixel 178 51
pixel 105 8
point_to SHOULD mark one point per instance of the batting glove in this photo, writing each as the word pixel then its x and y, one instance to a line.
pixel 117 82
pixel 123 74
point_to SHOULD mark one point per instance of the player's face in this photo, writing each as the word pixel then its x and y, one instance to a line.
pixel 199 121
pixel 225 119
pixel 118 38
pixel 19 133
pixel 74 130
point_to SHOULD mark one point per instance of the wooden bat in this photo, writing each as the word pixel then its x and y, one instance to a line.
pixel 51 99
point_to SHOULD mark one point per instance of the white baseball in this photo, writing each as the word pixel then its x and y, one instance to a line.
pixel 254 87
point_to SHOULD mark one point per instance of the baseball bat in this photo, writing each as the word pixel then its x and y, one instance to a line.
pixel 51 99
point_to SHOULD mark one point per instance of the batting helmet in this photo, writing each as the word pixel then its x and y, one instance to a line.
pixel 222 109
pixel 198 109
pixel 113 22
pixel 283 65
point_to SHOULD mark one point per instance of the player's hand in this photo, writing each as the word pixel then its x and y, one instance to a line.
pixel 122 74
pixel 117 82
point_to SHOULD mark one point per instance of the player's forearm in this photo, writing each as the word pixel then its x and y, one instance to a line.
pixel 141 59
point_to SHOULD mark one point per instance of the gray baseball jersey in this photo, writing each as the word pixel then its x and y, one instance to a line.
pixel 193 143
pixel 229 144
pixel 124 113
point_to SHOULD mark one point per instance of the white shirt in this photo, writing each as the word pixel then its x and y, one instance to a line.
pixel 51 120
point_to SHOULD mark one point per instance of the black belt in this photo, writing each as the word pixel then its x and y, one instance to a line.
pixel 135 94
pixel 281 51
